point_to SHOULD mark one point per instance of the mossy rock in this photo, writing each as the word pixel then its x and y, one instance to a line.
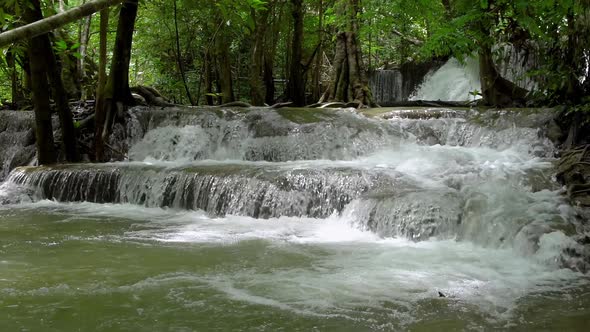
pixel 307 115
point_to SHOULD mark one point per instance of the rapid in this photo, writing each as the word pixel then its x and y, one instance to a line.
pixel 260 219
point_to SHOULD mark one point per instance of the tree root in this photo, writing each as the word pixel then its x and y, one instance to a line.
pixel 281 105
pixel 151 96
pixel 236 104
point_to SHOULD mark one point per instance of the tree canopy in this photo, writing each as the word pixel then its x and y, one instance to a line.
pixel 212 52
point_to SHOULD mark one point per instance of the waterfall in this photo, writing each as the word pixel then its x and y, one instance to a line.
pixel 386 86
pixel 449 174
pixel 513 65
pixel 257 191
pixel 454 81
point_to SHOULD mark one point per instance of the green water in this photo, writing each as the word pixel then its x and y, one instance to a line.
pixel 82 268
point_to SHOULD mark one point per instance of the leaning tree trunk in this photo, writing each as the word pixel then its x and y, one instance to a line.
pixel 50 23
pixel 496 90
pixel 349 80
pixel 39 65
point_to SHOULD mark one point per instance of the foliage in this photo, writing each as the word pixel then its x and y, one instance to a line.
pixel 554 33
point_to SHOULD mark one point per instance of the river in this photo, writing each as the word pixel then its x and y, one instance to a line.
pixel 319 220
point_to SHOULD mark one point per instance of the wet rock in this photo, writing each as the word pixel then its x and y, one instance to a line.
pixel 554 132
pixel 17 140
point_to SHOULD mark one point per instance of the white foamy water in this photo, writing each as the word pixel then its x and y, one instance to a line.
pixel 171 143
pixel 453 81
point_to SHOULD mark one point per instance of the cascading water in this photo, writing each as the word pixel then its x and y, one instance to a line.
pixel 266 219
pixel 454 81
pixel 386 86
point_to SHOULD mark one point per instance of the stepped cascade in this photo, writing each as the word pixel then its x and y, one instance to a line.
pixel 390 181
pixel 446 176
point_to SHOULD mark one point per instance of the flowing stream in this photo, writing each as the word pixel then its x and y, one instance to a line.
pixel 299 220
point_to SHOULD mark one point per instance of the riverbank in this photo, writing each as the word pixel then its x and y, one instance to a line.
pixel 573 167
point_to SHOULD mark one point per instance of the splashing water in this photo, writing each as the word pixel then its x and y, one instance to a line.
pixel 453 81
pixel 258 221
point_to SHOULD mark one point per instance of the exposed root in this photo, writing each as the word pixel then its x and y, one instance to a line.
pixel 236 104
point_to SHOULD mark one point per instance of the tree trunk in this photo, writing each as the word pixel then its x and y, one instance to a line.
pixel 296 86
pixel 224 67
pixel 257 57
pixel 317 72
pixel 117 92
pixel 16 88
pixel 62 6
pixel 496 90
pixel 63 107
pixel 208 80
pixel 269 80
pixel 46 25
pixel 69 67
pixel 84 37
pixel 39 65
pixel 179 56
pixel 349 81
pixel 99 108
pixel 271 41
pixel 572 86
pixel 53 72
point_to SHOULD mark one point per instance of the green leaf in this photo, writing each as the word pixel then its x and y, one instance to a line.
pixel 61 45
